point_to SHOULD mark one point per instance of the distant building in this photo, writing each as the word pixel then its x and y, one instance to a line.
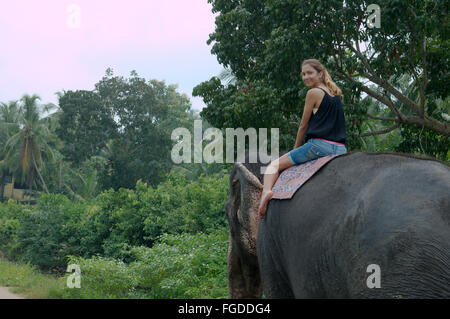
pixel 12 191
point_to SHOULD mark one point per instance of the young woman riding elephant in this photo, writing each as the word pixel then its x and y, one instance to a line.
pixel 322 126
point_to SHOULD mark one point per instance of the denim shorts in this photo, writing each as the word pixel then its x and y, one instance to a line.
pixel 313 149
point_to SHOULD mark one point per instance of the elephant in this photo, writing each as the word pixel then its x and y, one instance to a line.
pixel 366 225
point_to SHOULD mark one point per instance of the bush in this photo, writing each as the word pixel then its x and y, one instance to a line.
pixel 101 278
pixel 11 215
pixel 184 266
pixel 115 222
pixel 54 229
pixel 179 207
pixel 119 221
pixel 177 266
pixel 137 218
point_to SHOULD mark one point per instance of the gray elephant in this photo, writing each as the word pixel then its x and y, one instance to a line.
pixel 366 225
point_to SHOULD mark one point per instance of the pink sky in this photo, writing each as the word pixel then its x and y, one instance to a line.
pixel 43 53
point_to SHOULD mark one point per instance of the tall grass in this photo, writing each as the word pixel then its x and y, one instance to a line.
pixel 28 282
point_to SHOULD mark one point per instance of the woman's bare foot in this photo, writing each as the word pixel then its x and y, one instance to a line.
pixel 265 197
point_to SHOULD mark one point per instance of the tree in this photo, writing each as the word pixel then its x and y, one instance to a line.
pixel 86 123
pixel 9 114
pixel 79 183
pixel 30 140
pixel 407 138
pixel 128 123
pixel 264 43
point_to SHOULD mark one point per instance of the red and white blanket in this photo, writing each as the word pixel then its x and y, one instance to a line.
pixel 292 178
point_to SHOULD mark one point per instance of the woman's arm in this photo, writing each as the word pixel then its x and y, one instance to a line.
pixel 300 135
pixel 311 99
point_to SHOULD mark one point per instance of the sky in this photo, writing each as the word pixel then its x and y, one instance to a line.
pixel 53 45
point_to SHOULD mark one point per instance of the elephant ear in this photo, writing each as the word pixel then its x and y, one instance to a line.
pixel 241 207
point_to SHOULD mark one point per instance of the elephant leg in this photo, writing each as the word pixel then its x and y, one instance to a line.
pixel 274 279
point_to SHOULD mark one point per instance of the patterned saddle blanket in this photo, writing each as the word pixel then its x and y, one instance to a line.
pixel 292 178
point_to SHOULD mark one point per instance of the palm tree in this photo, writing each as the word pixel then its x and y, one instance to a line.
pixel 85 185
pixel 9 113
pixel 30 140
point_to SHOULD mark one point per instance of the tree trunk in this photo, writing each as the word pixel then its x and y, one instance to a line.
pixel 40 176
pixel 59 184
pixel 2 185
pixel 31 192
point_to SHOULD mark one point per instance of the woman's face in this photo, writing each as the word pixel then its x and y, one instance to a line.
pixel 310 76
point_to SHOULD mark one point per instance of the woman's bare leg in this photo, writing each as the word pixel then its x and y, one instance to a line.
pixel 270 177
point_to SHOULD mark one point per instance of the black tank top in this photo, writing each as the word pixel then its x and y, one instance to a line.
pixel 329 121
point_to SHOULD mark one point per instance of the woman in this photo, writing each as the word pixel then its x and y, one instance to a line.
pixel 323 122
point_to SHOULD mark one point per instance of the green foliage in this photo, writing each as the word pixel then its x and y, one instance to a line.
pixel 424 141
pixel 86 124
pixel 183 222
pixel 407 138
pixel 132 218
pixel 101 278
pixel 28 281
pixel 11 216
pixel 29 139
pixel 109 137
pixel 184 266
pixel 177 266
pixel 178 206
pixel 107 239
pixel 119 221
pixel 264 42
pixel 128 123
pixel 56 227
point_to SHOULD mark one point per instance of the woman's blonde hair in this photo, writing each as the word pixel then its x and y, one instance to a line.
pixel 326 78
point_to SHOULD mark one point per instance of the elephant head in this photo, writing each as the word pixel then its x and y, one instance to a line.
pixel 242 213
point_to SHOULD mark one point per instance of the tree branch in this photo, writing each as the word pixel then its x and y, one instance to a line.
pixel 381 82
pixel 427 121
pixel 420 83
pixel 387 101
pixel 359 54
pixel 392 119
pixel 388 87
pixel 375 95
pixel 424 76
pixel 389 129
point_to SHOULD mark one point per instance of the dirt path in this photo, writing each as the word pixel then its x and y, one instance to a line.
pixel 5 294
